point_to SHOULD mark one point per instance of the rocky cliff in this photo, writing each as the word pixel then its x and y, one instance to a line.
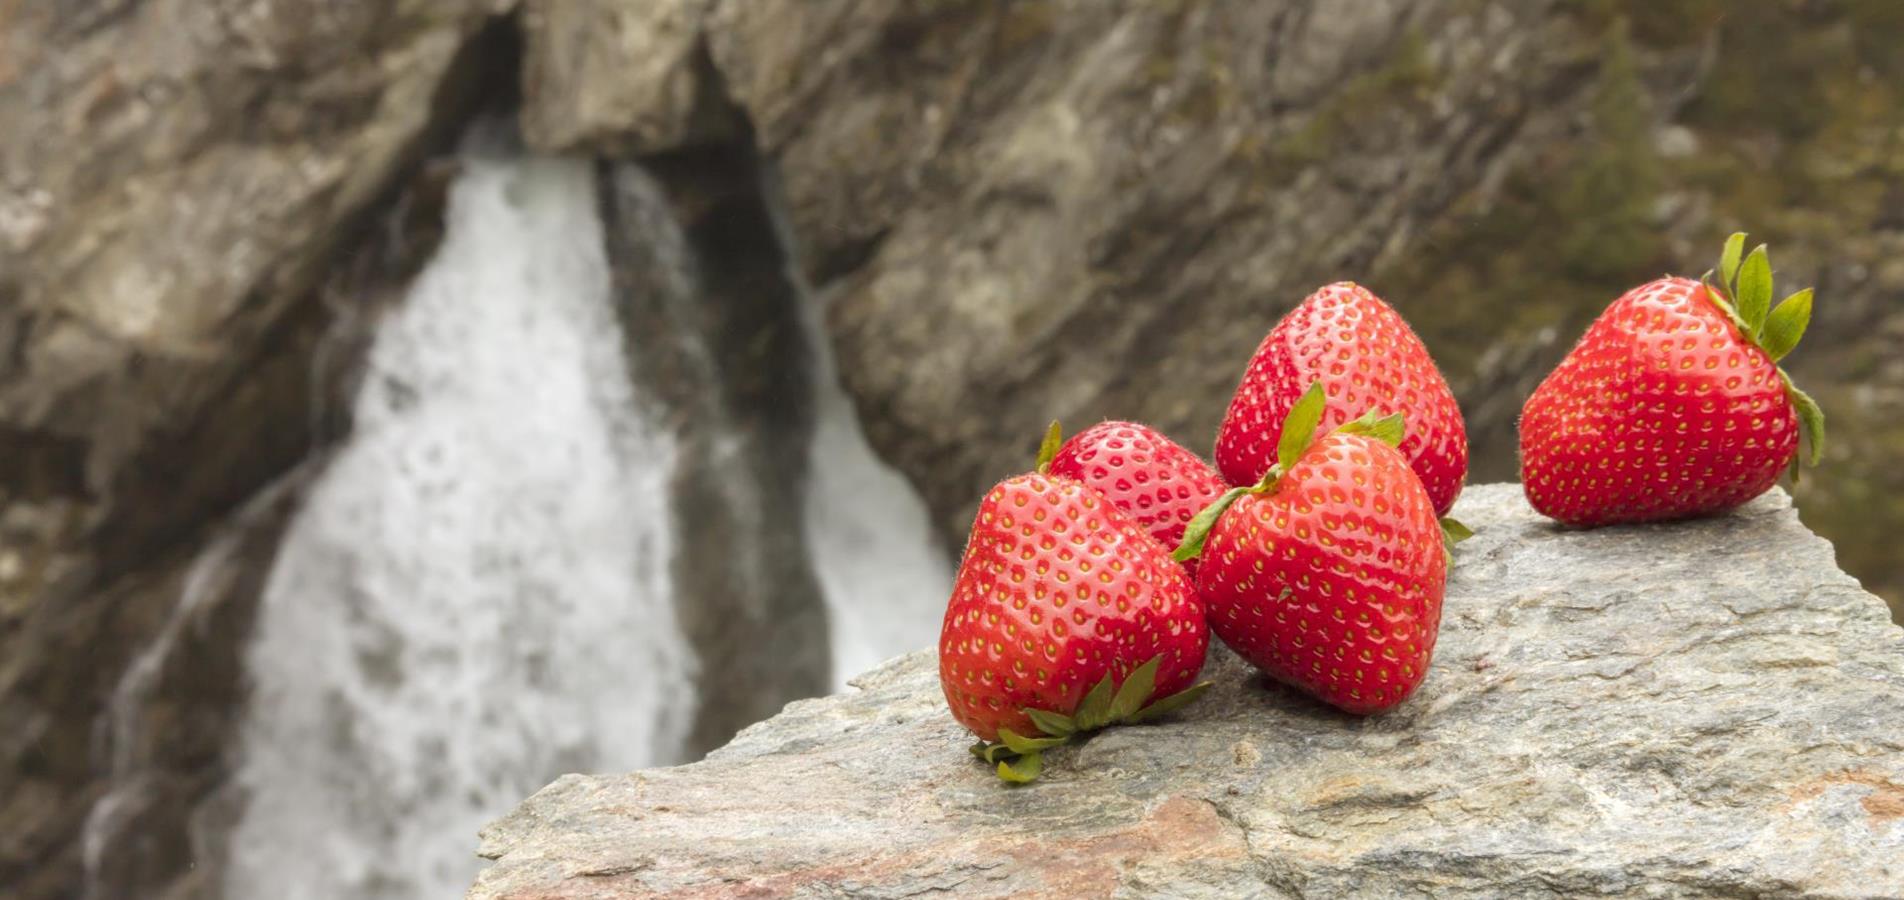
pixel 1697 710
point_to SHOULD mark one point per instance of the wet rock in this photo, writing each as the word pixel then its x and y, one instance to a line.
pixel 1699 709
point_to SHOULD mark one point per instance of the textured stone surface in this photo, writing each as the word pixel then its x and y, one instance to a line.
pixel 617 77
pixel 1701 709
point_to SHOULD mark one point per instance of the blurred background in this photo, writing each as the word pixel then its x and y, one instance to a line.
pixel 404 403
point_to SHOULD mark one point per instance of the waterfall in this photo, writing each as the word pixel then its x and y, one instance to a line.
pixel 474 598
pixel 883 576
pixel 479 592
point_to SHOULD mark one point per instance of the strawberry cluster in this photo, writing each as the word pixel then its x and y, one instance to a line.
pixel 1318 546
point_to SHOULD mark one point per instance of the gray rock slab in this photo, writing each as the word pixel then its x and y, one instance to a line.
pixel 1707 708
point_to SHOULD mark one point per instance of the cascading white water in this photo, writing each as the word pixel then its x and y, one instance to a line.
pixel 475 597
pixel 880 568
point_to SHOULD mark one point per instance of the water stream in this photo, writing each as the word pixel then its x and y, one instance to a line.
pixel 475 597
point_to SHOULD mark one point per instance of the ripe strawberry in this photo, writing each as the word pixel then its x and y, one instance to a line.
pixel 1060 597
pixel 1672 404
pixel 1151 478
pixel 1368 360
pixel 1328 574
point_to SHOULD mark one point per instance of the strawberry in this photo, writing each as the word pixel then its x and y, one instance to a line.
pixel 1367 359
pixel 1065 616
pixel 1328 573
pixel 1672 404
pixel 1149 477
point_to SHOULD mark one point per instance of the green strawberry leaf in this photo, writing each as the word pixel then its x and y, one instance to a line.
pixel 1095 710
pixel 1299 427
pixel 1454 532
pixel 1135 691
pixel 1169 704
pixel 1024 770
pixel 1048 449
pixel 1389 429
pixel 1729 260
pixel 1718 299
pixel 1024 746
pixel 1786 324
pixel 1754 296
pixel 1811 419
pixel 1198 530
pixel 1054 724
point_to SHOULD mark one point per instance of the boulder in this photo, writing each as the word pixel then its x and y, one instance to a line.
pixel 1707 708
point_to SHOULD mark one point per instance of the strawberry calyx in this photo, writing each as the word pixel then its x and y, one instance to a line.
pixel 1744 294
pixel 1020 759
pixel 1299 433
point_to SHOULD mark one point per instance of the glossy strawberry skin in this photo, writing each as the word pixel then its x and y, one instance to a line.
pixel 1332 581
pixel 1662 411
pixel 1148 476
pixel 1367 358
pixel 1058 588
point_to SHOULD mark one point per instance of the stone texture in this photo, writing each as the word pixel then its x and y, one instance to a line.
pixel 1700 709
pixel 616 77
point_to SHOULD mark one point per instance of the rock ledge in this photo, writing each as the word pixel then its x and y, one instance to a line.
pixel 1702 709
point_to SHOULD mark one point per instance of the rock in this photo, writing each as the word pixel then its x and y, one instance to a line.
pixel 1699 709
pixel 660 97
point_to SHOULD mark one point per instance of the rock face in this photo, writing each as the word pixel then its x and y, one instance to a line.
pixel 1701 709
pixel 1094 210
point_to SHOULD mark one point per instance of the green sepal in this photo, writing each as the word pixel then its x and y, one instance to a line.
pixel 1135 691
pixel 1729 259
pixel 1299 427
pixel 1718 299
pixel 992 753
pixel 1811 419
pixel 1024 770
pixel 1048 448
pixel 1389 429
pixel 1024 746
pixel 1169 704
pixel 1786 325
pixel 1019 759
pixel 1198 531
pixel 1053 724
pixel 1454 532
pixel 1095 710
pixel 1753 297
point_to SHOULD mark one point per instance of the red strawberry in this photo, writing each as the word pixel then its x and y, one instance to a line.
pixel 1149 477
pixel 1328 574
pixel 1061 596
pixel 1672 404
pixel 1368 360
